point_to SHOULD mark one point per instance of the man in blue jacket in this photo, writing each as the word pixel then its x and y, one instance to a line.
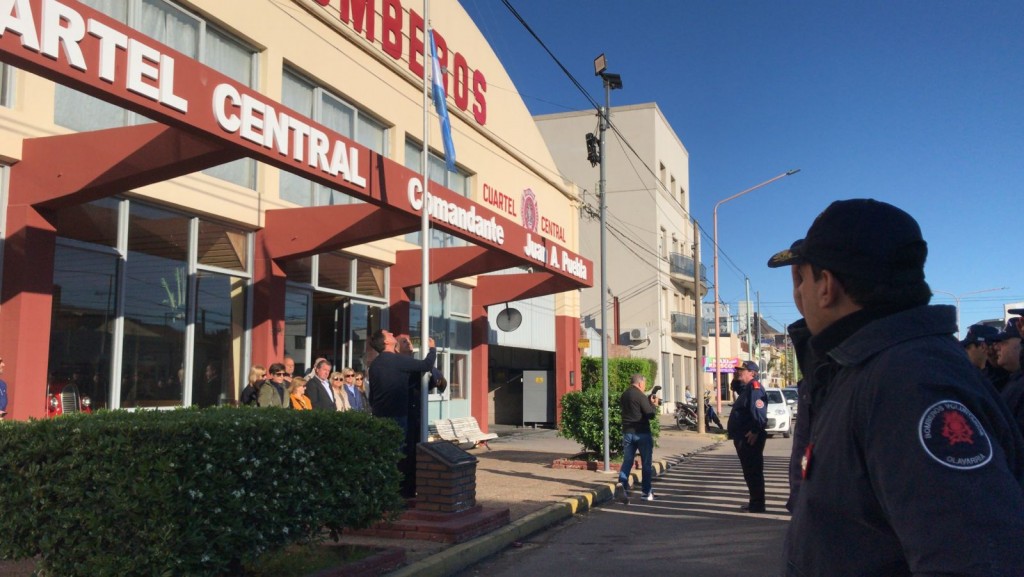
pixel 747 422
pixel 913 465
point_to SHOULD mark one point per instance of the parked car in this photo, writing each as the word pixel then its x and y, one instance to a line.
pixel 792 395
pixel 780 419
pixel 65 398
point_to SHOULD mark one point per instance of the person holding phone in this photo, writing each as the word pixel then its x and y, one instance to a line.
pixel 637 411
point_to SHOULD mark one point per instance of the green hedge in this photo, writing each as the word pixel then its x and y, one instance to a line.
pixel 583 411
pixel 188 492
pixel 620 370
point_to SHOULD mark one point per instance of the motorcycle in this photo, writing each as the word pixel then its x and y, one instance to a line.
pixel 686 413
pixel 710 414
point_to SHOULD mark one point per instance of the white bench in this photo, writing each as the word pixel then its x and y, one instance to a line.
pixel 463 431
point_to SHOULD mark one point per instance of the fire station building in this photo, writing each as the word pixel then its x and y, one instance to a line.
pixel 193 188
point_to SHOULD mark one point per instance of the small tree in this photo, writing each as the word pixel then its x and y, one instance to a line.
pixel 583 411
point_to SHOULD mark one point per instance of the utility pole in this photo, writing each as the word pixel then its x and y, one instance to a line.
pixel 697 317
pixel 610 81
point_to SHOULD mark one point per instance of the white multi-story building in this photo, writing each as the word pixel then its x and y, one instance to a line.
pixel 651 291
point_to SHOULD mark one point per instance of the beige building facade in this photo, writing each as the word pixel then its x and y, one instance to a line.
pixel 652 299
pixel 194 188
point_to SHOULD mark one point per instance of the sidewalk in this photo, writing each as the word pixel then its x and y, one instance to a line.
pixel 516 474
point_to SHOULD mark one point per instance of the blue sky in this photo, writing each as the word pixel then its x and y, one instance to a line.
pixel 917 103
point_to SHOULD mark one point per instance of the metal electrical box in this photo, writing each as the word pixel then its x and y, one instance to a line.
pixel 538 397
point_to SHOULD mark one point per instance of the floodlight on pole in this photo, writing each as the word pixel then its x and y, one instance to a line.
pixel 718 327
pixel 956 301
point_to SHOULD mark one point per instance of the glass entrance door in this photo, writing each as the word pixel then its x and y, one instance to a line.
pixel 341 328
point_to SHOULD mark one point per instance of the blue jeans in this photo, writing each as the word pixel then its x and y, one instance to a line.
pixel 631 443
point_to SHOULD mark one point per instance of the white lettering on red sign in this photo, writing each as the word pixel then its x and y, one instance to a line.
pixel 258 122
pixel 455 215
pixel 149 73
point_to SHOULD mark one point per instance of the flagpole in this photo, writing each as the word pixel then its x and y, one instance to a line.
pixel 425 229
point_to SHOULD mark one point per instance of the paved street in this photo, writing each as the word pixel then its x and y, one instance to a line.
pixel 694 528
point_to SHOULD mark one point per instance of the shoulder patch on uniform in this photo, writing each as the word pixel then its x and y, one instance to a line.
pixel 953 436
pixel 755 384
pixel 759 404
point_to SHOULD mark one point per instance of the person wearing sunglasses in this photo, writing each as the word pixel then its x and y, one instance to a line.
pixel 273 393
pixel 337 387
pixel 347 395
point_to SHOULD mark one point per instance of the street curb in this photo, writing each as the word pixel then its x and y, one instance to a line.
pixel 458 557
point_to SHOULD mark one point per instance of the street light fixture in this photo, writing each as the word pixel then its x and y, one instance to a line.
pixel 956 300
pixel 718 328
pixel 611 81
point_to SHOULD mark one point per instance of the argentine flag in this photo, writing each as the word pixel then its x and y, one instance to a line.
pixel 441 105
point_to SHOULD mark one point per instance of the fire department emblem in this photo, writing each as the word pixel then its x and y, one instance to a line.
pixel 953 436
pixel 530 212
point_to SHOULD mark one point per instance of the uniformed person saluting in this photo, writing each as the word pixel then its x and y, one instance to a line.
pixel 747 422
pixel 913 465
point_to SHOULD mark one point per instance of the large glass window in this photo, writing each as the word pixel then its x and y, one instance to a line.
pixel 83 322
pixel 125 305
pixel 317 103
pixel 219 339
pixel 187 33
pixel 451 330
pixel 152 369
pixel 364 319
pixel 296 321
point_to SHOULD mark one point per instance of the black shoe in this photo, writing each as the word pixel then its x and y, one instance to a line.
pixel 752 508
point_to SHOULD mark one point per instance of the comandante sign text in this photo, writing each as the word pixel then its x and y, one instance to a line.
pixel 72 44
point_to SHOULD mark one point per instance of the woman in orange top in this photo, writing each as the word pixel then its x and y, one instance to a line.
pixel 297 392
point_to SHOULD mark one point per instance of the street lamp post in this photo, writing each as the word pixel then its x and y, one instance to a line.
pixel 718 328
pixel 956 301
pixel 611 81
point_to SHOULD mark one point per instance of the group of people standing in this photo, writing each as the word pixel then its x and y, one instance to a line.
pixel 323 389
pixel 1000 358
pixel 906 459
pixel 389 389
pixel 908 454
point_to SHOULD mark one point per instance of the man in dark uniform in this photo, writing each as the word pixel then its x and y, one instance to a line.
pixel 976 346
pixel 995 374
pixel 913 466
pixel 1010 356
pixel 747 422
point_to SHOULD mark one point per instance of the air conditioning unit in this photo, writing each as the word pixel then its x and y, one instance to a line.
pixel 638 334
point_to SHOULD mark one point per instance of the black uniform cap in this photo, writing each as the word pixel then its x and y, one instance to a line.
pixel 978 334
pixel 861 237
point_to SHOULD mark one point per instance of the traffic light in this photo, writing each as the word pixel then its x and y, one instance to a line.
pixel 593 149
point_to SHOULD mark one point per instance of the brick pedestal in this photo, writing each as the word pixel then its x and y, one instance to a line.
pixel 445 478
pixel 445 508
